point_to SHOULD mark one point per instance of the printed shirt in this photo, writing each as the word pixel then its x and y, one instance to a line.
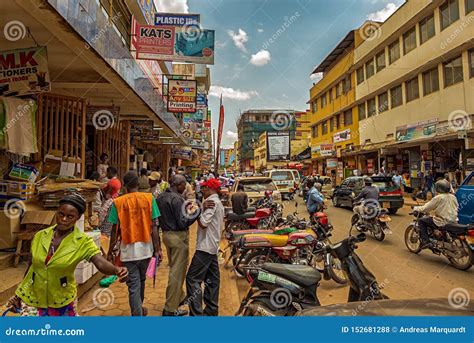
pixel 208 238
pixel 53 284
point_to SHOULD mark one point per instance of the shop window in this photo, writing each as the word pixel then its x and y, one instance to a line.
pixel 315 132
pixel 469 7
pixel 409 41
pixel 449 13
pixel 471 62
pixel 348 118
pixel 383 102
pixel 396 96
pixel 369 69
pixel 360 75
pixel 361 111
pixel 371 108
pixel 412 89
pixel 453 72
pixel 430 81
pixel 427 29
pixel 394 51
pixel 325 127
pixel 380 61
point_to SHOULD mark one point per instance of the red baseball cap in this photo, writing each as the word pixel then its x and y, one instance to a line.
pixel 212 183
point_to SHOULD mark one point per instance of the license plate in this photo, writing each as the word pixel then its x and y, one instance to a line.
pixel 386 205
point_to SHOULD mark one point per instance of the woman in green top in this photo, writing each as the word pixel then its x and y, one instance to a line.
pixel 49 286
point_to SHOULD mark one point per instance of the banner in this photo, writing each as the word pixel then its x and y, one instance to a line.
pixel 183 153
pixel 24 71
pixel 424 129
pixel 342 136
pixel 176 19
pixel 278 146
pixel 326 150
pixel 182 96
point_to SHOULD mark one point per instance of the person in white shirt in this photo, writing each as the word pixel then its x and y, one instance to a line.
pixel 204 267
pixel 397 178
pixel 445 207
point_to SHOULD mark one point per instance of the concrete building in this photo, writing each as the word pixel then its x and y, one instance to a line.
pixel 415 90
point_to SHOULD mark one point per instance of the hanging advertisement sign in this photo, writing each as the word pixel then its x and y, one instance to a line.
pixel 342 136
pixel 183 153
pixel 278 146
pixel 326 150
pixel 424 129
pixel 24 71
pixel 182 96
pixel 195 47
pixel 144 130
pixel 201 100
pixel 176 19
pixel 331 163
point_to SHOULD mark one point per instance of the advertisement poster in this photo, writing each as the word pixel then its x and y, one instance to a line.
pixel 198 48
pixel 201 100
pixel 24 71
pixel 331 163
pixel 342 136
pixel 144 130
pixel 278 146
pixel 176 19
pixel 183 153
pixel 326 150
pixel 153 42
pixel 425 129
pixel 182 96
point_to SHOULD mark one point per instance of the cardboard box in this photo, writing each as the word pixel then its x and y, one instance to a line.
pixel 23 172
pixel 83 272
pixel 52 165
pixel 34 218
pixel 9 229
pixel 67 169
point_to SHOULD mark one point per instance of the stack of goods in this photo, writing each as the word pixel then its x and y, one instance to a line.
pixel 20 185
pixel 51 192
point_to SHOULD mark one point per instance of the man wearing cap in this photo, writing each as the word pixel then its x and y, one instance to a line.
pixel 204 267
pixel 157 185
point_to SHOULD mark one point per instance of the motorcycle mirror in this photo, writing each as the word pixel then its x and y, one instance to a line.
pixel 361 237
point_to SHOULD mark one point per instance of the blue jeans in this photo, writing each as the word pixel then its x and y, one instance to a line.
pixel 136 284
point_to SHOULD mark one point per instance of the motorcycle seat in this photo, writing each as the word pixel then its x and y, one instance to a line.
pixel 455 228
pixel 300 274
pixel 236 217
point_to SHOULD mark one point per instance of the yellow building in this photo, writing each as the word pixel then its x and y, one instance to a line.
pixel 334 121
pixel 301 145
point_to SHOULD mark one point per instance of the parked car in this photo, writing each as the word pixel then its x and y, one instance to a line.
pixel 390 195
pixel 465 196
pixel 285 181
pixel 255 187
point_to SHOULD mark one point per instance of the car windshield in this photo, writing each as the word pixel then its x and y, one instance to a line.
pixel 258 185
pixel 282 175
pixel 385 185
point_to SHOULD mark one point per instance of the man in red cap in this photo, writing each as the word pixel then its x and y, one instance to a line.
pixel 204 266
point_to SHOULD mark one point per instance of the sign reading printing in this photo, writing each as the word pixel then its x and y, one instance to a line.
pixel 182 96
pixel 172 19
pixel 153 42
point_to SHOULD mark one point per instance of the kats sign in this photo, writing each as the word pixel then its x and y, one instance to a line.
pixel 24 71
pixel 182 96
pixel 153 42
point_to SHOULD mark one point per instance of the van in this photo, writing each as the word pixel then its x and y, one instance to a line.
pixel 285 180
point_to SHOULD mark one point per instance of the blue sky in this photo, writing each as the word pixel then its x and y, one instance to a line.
pixel 253 72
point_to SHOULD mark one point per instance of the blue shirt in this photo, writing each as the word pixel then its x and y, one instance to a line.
pixel 314 200
pixel 397 179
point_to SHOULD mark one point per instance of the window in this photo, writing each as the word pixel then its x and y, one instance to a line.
pixel 383 102
pixel 360 75
pixel 338 89
pixel 449 13
pixel 394 51
pixel 396 96
pixel 315 131
pixel 347 84
pixel 369 69
pixel 331 125
pixel 325 127
pixel 371 108
pixel 348 118
pixel 314 105
pixel 338 122
pixel 361 111
pixel 412 89
pixel 323 100
pixel 469 7
pixel 427 29
pixel 409 41
pixel 430 81
pixel 380 58
pixel 453 72
pixel 330 95
pixel 471 63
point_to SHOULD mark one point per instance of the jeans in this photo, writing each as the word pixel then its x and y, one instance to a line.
pixel 204 268
pixel 136 284
pixel 425 224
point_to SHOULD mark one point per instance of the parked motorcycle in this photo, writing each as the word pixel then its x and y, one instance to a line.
pixel 283 290
pixel 449 241
pixel 266 215
pixel 375 221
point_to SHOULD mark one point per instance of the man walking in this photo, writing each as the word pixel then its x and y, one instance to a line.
pixel 156 183
pixel 204 267
pixel 174 223
pixel 133 217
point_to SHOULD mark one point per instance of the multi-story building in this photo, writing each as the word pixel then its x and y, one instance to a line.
pixel 301 145
pixel 334 124
pixel 415 90
pixel 253 123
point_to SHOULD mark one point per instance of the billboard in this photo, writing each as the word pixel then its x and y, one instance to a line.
pixel 182 96
pixel 342 136
pixel 24 71
pixel 176 19
pixel 278 146
pixel 151 42
pixel 424 129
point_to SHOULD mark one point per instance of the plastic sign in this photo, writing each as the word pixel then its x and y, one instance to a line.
pixel 173 19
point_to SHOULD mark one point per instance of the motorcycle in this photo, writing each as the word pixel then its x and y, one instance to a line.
pixel 375 220
pixel 283 290
pixel 265 215
pixel 449 241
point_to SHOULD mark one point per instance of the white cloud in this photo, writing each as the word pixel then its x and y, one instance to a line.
pixel 260 30
pixel 230 93
pixel 384 13
pixel 316 77
pixel 232 135
pixel 261 58
pixel 239 39
pixel 172 6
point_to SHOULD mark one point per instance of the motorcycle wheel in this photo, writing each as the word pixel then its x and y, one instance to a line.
pixel 463 263
pixel 378 233
pixel 258 257
pixel 335 270
pixel 412 239
pixel 251 310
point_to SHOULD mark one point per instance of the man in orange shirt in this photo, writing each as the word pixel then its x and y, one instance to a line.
pixel 134 217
